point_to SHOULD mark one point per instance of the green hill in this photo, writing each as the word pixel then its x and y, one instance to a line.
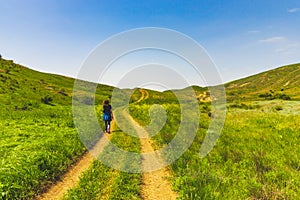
pixel 271 84
pixel 38 138
pixel 22 87
pixel 256 157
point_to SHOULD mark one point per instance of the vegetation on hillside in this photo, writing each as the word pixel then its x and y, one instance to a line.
pixel 103 182
pixel 256 157
pixel 282 82
pixel 38 136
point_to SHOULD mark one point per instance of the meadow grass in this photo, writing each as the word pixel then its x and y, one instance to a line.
pixel 37 146
pixel 38 139
pixel 256 157
pixel 103 182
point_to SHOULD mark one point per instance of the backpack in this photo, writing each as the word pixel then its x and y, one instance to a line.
pixel 106 117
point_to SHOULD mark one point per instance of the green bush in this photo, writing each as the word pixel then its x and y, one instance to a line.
pixel 270 96
pixel 278 108
pixel 47 100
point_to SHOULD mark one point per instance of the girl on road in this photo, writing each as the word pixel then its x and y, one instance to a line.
pixel 107 115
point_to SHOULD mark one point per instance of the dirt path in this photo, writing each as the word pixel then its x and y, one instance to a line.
pixel 71 177
pixel 69 180
pixel 155 184
pixel 144 95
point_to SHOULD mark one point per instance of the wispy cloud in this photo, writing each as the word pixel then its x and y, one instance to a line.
pixel 293 10
pixel 273 39
pixel 289 49
pixel 253 31
pixel 281 45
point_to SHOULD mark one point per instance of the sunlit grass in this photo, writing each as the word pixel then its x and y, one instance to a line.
pixel 256 157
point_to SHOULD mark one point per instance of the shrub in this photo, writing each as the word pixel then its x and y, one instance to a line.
pixel 266 95
pixel 243 106
pixel 206 108
pixel 62 92
pixel 47 100
pixel 282 96
pixel 278 108
pixel 269 96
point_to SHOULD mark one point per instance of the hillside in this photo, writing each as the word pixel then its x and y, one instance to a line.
pixel 26 86
pixel 22 87
pixel 280 81
pixel 256 157
pixel 36 119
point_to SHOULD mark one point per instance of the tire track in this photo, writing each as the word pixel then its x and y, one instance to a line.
pixel 71 178
pixel 144 95
pixel 155 184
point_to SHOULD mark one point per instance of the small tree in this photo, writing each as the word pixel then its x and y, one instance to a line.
pixel 47 100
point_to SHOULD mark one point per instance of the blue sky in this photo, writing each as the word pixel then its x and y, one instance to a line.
pixel 242 37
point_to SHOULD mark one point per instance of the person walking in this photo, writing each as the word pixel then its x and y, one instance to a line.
pixel 107 115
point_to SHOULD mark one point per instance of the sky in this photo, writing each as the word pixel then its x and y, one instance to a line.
pixel 242 37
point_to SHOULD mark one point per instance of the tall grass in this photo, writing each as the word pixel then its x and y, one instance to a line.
pixel 103 182
pixel 256 157
pixel 37 146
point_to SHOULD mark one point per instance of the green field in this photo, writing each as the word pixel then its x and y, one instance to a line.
pixel 100 181
pixel 39 140
pixel 256 157
pixel 37 146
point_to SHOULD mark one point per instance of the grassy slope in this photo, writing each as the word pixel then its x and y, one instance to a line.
pixel 32 133
pixel 256 157
pixel 282 80
pixel 27 124
pixel 21 85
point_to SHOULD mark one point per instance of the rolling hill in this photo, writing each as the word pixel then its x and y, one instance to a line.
pixel 36 119
pixel 281 81
pixel 23 87
pixel 256 157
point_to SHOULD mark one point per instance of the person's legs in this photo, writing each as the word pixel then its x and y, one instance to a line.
pixel 108 127
pixel 106 123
